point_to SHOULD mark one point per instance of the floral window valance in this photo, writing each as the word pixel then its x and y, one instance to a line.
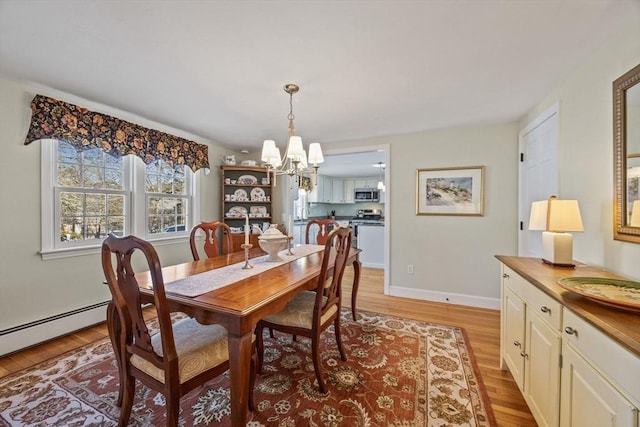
pixel 84 129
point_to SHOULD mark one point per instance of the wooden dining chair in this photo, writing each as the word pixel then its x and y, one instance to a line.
pixel 311 312
pixel 178 357
pixel 212 243
pixel 323 230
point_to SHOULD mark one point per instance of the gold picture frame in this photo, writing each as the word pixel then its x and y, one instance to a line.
pixel 450 191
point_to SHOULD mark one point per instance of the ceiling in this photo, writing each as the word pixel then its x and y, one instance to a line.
pixel 216 69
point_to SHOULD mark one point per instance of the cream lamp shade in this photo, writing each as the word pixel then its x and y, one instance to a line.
pixel 555 217
pixel 635 214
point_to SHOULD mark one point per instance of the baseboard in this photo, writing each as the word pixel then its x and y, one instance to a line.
pixel 458 299
pixel 372 264
pixel 27 335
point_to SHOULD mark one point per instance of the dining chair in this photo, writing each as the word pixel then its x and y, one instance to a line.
pixel 212 243
pixel 175 358
pixel 323 230
pixel 311 312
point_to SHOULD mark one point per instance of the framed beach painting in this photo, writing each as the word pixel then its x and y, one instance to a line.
pixel 450 191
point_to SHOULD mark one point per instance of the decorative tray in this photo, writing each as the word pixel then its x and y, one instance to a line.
pixel 624 294
pixel 237 211
pixel 248 180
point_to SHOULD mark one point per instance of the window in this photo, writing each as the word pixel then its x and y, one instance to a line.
pixel 88 194
pixel 167 204
pixel 91 195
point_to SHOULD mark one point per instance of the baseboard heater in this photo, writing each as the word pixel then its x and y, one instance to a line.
pixel 36 332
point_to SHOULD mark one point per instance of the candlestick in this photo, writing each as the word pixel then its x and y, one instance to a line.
pixel 246 248
pixel 246 230
pixel 289 245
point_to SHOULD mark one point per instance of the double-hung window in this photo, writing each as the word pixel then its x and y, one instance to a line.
pixel 89 194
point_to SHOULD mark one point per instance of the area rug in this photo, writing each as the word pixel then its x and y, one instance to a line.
pixel 399 372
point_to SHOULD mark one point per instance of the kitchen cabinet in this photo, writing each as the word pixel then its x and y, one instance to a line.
pixel 322 192
pixel 343 191
pixel 371 241
pixel 366 183
pixel 591 361
pixel 349 191
pixel 532 345
pixel 299 230
pixel 576 362
pixel 337 195
pixel 245 193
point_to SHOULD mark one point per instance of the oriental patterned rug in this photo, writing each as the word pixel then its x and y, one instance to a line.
pixel 399 372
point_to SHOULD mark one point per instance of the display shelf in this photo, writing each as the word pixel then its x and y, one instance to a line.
pixel 257 193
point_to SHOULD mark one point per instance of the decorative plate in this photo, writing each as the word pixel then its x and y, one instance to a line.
pixel 624 294
pixel 257 194
pixel 258 210
pixel 248 180
pixel 237 211
pixel 240 194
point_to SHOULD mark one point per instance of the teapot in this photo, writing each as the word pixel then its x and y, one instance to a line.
pixel 229 159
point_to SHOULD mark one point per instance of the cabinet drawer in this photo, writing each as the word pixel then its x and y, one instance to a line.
pixel 618 365
pixel 548 309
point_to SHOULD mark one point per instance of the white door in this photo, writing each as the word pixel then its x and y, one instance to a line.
pixel 538 174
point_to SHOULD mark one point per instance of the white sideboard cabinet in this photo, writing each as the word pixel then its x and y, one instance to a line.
pixel 576 361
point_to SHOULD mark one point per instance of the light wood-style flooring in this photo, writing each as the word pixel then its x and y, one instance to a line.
pixel 482 327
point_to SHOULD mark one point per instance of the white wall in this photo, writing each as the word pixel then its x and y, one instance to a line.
pixel 453 256
pixel 586 149
pixel 32 289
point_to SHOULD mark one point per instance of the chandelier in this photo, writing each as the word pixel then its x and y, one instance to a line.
pixel 295 162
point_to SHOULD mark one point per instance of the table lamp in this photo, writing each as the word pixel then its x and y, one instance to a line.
pixel 555 217
pixel 635 214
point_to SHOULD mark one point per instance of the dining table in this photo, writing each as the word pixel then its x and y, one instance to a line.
pixel 237 299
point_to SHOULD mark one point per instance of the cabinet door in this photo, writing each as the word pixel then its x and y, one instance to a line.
pixel 588 400
pixel 360 183
pixel 317 192
pixel 542 370
pixel 514 312
pixel 327 190
pixel 337 195
pixel 349 191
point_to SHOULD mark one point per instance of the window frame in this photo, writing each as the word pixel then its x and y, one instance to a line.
pixel 135 213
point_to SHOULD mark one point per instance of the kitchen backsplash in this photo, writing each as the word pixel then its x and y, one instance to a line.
pixel 342 210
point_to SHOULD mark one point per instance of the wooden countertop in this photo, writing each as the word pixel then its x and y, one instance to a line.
pixel 620 325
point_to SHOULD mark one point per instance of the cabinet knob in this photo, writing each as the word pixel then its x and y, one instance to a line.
pixel 545 309
pixel 569 330
pixel 516 343
pixel 523 354
pixel 505 275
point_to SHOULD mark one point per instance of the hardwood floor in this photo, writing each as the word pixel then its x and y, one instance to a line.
pixel 481 325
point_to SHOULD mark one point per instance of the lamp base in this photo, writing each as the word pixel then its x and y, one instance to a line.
pixel 557 249
pixel 554 264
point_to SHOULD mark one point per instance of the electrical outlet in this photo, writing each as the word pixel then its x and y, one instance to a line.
pixel 410 268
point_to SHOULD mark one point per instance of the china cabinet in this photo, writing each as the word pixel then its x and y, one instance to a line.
pixel 245 192
pixel 576 361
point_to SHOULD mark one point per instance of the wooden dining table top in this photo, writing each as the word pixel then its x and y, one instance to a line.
pixel 244 296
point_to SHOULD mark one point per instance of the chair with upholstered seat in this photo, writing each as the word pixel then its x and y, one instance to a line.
pixel 177 358
pixel 212 242
pixel 324 227
pixel 311 312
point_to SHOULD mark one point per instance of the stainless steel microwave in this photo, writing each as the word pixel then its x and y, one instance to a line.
pixel 367 195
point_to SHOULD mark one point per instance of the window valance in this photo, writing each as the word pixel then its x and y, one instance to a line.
pixel 84 129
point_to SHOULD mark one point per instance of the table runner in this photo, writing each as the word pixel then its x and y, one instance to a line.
pixel 202 283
